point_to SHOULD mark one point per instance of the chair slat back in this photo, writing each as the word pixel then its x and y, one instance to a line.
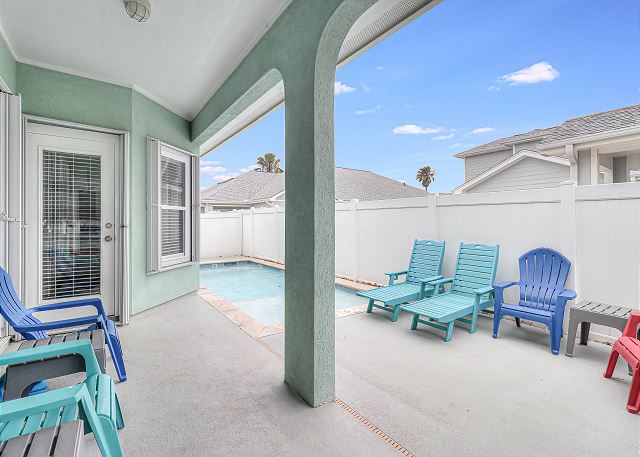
pixel 543 274
pixel 426 260
pixel 475 268
pixel 12 309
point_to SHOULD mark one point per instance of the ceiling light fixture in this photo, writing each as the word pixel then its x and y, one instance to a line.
pixel 140 10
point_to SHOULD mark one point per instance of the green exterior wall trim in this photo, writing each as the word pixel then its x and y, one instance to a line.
pixel 65 97
pixel 8 66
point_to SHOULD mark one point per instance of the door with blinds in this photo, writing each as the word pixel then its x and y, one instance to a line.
pixel 71 215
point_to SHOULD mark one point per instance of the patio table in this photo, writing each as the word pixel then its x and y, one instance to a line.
pixel 20 377
pixel 59 441
pixel 586 313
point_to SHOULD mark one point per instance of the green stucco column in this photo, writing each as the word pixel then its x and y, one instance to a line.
pixel 309 237
pixel 302 48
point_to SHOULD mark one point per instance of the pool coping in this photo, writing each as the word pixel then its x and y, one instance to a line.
pixel 254 327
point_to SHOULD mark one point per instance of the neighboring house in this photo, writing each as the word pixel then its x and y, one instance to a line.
pixel 257 189
pixel 600 148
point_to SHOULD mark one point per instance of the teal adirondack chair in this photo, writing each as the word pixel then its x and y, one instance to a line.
pixel 424 266
pixel 94 401
pixel 471 291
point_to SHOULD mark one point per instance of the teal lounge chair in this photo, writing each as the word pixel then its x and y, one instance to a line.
pixel 471 291
pixel 94 400
pixel 424 266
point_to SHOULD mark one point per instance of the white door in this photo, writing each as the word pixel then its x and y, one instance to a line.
pixel 71 217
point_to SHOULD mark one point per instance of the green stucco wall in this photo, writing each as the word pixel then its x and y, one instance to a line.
pixel 8 70
pixel 61 96
pixel 151 119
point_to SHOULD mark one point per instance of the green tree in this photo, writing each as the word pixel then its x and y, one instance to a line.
pixel 269 163
pixel 425 176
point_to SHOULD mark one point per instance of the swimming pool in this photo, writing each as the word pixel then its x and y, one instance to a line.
pixel 258 290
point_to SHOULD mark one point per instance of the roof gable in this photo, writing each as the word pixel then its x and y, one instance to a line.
pixel 511 161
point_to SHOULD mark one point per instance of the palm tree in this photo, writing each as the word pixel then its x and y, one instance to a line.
pixel 269 164
pixel 425 176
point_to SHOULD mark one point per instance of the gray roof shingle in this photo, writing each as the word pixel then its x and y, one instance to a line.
pixel 256 186
pixel 628 116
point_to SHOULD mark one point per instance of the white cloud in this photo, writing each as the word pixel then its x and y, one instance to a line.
pixel 211 170
pixel 253 166
pixel 443 137
pixel 536 73
pixel 341 88
pixel 379 67
pixel 481 130
pixel 209 162
pixel 362 112
pixel 413 129
pixel 493 88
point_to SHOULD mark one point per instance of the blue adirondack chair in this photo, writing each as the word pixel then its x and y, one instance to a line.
pixel 471 291
pixel 543 273
pixel 94 401
pixel 30 327
pixel 424 266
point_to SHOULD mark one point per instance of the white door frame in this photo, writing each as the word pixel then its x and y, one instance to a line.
pixel 123 207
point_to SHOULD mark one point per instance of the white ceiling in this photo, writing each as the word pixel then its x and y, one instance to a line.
pixel 179 57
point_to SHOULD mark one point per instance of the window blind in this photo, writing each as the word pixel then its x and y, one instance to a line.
pixel 71 224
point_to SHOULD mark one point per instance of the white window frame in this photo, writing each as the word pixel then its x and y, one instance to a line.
pixel 156 262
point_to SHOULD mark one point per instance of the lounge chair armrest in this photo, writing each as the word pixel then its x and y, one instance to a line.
pixel 631 328
pixel 397 273
pixel 393 275
pixel 66 323
pixel 483 290
pixel 504 284
pixel 430 279
pixel 95 302
pixel 82 347
pixel 438 282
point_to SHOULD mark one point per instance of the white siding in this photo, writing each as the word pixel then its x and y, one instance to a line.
pixel 475 165
pixel 527 173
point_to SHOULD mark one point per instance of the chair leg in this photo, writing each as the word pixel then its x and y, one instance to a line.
pixel 414 322
pixel 633 403
pixel 556 334
pixel 396 312
pixel 474 322
pixel 496 324
pixel 517 321
pixel 613 358
pixel 449 333
pixel 370 307
pixel 113 342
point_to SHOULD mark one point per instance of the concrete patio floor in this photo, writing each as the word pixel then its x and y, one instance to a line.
pixel 200 386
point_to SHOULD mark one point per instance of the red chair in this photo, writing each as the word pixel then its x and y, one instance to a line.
pixel 628 346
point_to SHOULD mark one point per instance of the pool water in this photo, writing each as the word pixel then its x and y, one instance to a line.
pixel 258 290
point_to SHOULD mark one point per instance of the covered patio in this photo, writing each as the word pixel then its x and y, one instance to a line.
pixel 205 387
pixel 197 383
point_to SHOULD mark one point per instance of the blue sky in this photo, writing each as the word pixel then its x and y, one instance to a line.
pixel 463 74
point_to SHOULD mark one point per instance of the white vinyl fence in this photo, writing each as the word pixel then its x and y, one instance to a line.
pixel 596 227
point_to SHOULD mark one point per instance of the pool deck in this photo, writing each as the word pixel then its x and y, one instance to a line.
pixel 200 386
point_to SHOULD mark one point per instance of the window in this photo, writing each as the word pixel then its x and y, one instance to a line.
pixel 172 207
